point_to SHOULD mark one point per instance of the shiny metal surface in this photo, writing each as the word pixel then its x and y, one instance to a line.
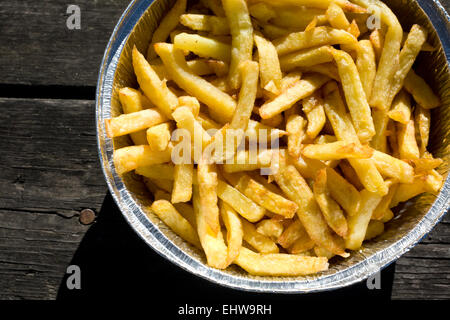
pixel 416 219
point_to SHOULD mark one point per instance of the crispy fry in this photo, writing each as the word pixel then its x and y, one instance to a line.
pixel 355 96
pixel 330 209
pixel 176 66
pixel 298 18
pixel 407 143
pixel 377 40
pixel 358 223
pixel 401 108
pixel 133 122
pixel 186 210
pixel 315 113
pixel 328 69
pixel 256 131
pixel 166 26
pixel 295 127
pixel 182 185
pixel 424 165
pixel 269 64
pixel 247 160
pixel 422 119
pixel 239 202
pixel 212 242
pixel 319 36
pixel 421 91
pixel 157 171
pixel 416 38
pixel 393 167
pixel 241 28
pixel 203 46
pixel 262 11
pixel 343 192
pixel 235 231
pixel 175 221
pixel 279 264
pixel 201 22
pixel 257 240
pixel 133 101
pixel 130 158
pixel 288 98
pixel 336 151
pixel 350 174
pixel 381 122
pixel 208 182
pixel 366 65
pixel 159 136
pixel 297 190
pixel 306 58
pixel 190 102
pixel 271 228
pixel 291 234
pixel 380 211
pixel 155 89
pixel 336 17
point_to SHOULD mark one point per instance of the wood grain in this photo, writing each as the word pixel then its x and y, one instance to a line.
pixel 39 49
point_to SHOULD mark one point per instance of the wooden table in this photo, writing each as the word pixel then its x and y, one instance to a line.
pixel 49 165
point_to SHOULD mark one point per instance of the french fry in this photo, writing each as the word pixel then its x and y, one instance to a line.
pixel 256 130
pixel 273 32
pixel 350 174
pixel 175 221
pixel 235 231
pixel 298 17
pixel 330 209
pixel 186 210
pixel 366 65
pixel 288 98
pixel 166 26
pixel 155 89
pixel 355 96
pixel 269 64
pixel 212 242
pixel 381 122
pixel 374 229
pixel 306 58
pixel 157 171
pixel 388 216
pixel 182 185
pixel 203 46
pixel 315 113
pixel 206 122
pixel 291 234
pixel 205 92
pixel 239 202
pixel 407 143
pixel 241 29
pixel 271 228
pixel 241 117
pixel 297 190
pixel 130 158
pixel 336 151
pixel 133 101
pixel 384 79
pixel 262 11
pixel 344 130
pixel 159 136
pixel 276 121
pixel 302 245
pixel 347 6
pixel 279 264
pixel 380 211
pixel 295 127
pixel 358 223
pixel 266 198
pixel 412 47
pixel 424 165
pixel 319 36
pixel 422 119
pixel 201 22
pixel 328 69
pixel 421 91
pixel 393 167
pixel 343 192
pixel 258 241
pixel 247 160
pixel 401 108
pixel 190 102
pixel 336 17
pixel 308 168
pixel 377 40
pixel 208 182
pixel 133 122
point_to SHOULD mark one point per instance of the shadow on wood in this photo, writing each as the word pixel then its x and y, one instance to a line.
pixel 116 263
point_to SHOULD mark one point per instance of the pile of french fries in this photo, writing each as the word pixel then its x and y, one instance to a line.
pixel 350 117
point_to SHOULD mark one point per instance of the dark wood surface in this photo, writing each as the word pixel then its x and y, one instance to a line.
pixel 48 159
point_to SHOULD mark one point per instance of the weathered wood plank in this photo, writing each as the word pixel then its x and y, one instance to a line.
pixel 38 48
